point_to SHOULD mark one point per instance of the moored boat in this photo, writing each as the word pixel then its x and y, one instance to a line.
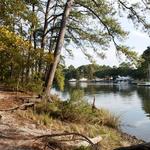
pixel 144 84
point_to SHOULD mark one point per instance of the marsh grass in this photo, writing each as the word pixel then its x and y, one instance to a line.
pixel 77 110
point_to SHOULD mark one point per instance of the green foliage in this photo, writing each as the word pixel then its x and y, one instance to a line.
pixel 143 70
pixel 130 54
pixel 70 72
pixel 34 85
pixel 77 110
pixel 46 108
pixel 76 96
pixel 146 56
pixel 12 53
pixel 93 71
pixel 45 119
pixel 17 58
pixel 59 77
pixel 13 11
pixel 24 30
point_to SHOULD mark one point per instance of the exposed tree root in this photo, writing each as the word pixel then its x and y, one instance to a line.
pixel 58 141
pixel 52 143
pixel 22 107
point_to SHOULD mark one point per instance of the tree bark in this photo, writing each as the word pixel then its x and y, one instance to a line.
pixel 59 45
pixel 31 38
pixel 44 34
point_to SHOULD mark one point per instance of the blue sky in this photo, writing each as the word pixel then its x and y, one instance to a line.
pixel 137 39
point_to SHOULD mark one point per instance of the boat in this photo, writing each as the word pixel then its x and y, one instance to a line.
pixel 83 80
pixel 123 80
pixel 73 80
pixel 144 84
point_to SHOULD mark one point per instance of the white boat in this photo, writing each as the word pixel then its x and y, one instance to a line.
pixel 83 80
pixel 144 84
pixel 73 80
pixel 98 79
pixel 123 80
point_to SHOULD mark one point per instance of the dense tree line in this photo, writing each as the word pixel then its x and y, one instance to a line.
pixel 93 71
pixel 33 33
pixel 98 71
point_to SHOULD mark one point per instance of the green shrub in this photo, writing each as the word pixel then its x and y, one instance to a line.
pixel 77 110
pixel 33 86
pixel 46 108
pixel 45 119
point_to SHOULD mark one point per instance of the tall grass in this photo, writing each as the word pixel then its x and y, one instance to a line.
pixel 77 110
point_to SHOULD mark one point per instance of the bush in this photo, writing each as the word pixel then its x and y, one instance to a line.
pixel 33 84
pixel 46 108
pixel 77 110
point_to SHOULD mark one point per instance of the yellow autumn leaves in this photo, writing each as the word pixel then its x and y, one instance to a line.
pixel 11 41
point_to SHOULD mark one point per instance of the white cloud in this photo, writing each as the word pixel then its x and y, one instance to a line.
pixel 139 34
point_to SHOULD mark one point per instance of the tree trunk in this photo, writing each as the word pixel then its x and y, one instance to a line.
pixel 44 34
pixel 59 45
pixel 32 38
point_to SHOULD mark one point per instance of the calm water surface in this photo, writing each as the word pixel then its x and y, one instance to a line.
pixel 131 103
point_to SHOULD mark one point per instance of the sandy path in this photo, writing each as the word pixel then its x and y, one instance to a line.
pixel 15 133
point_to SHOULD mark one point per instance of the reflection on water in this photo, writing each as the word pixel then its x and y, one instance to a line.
pixel 144 94
pixel 130 102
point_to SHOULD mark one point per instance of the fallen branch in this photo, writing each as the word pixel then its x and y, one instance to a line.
pixel 86 142
pixel 26 105
pixel 22 107
pixel 49 141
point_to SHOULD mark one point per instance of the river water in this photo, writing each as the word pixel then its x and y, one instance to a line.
pixel 131 103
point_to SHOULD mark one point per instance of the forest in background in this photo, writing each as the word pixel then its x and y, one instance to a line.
pixel 92 71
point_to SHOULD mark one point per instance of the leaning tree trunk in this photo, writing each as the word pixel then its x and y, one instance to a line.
pixel 59 45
